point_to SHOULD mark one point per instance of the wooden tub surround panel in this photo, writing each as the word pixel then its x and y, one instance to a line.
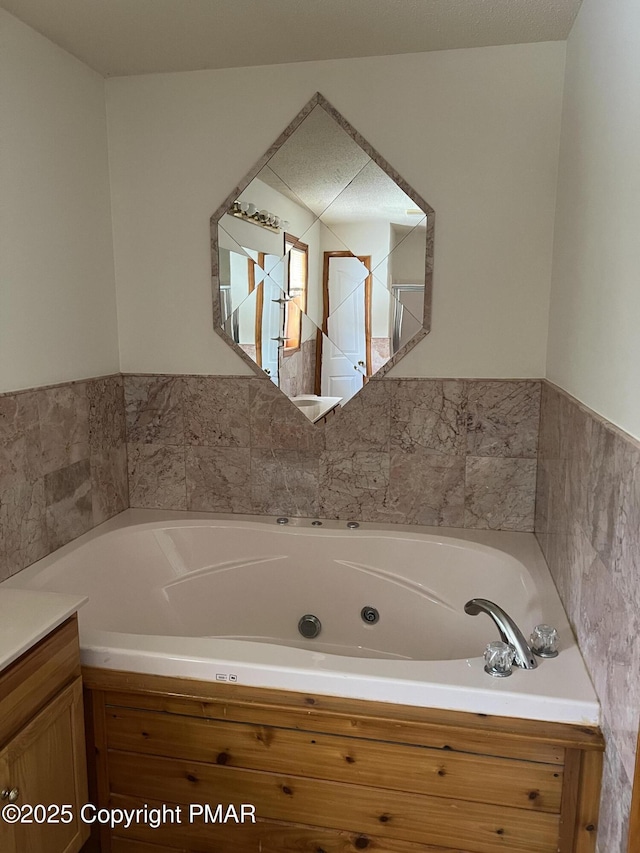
pixel 274 750
pixel 331 775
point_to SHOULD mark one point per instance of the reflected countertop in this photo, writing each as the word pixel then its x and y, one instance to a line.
pixel 315 407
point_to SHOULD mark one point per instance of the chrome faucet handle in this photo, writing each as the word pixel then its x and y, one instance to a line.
pixel 498 659
pixel 544 641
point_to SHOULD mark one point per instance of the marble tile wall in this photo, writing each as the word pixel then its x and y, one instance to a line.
pixel 460 453
pixel 588 525
pixel 63 466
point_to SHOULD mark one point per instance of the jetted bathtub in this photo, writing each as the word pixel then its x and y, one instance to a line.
pixel 219 598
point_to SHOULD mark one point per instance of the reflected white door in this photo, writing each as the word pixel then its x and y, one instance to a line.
pixel 346 346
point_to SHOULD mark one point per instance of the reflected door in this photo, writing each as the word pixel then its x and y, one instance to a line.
pixel 345 348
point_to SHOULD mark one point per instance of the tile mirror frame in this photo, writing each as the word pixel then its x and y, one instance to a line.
pixel 318 100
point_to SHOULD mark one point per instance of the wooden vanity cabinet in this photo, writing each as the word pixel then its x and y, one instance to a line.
pixel 42 746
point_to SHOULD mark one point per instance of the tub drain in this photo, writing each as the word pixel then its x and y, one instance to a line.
pixel 309 626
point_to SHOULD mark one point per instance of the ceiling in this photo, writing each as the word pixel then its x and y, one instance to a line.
pixel 123 37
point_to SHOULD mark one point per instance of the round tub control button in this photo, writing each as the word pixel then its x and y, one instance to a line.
pixel 309 626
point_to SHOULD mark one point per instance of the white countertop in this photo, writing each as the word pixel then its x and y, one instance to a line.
pixel 26 616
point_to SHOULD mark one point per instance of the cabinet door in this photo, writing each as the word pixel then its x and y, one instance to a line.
pixel 46 763
pixel 7 834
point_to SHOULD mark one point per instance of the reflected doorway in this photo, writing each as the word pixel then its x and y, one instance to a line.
pixel 343 353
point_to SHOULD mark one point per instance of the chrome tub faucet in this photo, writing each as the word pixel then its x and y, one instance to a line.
pixel 509 631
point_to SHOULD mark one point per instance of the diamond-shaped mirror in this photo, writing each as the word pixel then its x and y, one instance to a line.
pixel 322 262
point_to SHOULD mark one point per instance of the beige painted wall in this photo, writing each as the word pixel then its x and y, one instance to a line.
pixel 476 132
pixel 57 293
pixel 594 332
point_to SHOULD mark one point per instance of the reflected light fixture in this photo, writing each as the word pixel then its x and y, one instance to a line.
pixel 264 218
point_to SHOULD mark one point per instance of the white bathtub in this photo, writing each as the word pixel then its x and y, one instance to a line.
pixel 219 598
